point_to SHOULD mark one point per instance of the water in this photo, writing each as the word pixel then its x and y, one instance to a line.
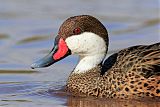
pixel 27 31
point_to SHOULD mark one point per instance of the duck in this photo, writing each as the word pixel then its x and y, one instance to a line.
pixel 130 73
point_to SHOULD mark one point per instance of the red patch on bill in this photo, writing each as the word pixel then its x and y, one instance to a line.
pixel 62 50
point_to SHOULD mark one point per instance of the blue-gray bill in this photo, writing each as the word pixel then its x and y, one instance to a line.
pixel 44 62
pixel 59 51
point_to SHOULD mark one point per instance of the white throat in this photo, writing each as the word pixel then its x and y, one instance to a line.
pixel 88 62
pixel 90 47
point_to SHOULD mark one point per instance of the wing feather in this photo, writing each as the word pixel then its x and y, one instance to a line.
pixel 144 59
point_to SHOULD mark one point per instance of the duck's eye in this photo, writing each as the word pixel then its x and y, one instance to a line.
pixel 77 31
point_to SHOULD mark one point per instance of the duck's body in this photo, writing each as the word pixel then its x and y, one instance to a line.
pixel 130 73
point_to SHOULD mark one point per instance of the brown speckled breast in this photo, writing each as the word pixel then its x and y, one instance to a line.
pixel 84 84
pixel 113 85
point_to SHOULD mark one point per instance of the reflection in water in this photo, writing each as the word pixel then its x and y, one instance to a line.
pixel 17 71
pixel 86 102
pixel 74 101
pixel 140 26
pixel 4 36
pixel 16 100
pixel 33 39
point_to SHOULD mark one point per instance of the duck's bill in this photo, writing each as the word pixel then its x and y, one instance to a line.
pixel 44 62
pixel 59 51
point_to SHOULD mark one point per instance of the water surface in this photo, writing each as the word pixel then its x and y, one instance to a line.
pixel 27 31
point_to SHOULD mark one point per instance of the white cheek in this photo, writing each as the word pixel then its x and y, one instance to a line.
pixel 86 43
pixel 90 47
pixel 73 44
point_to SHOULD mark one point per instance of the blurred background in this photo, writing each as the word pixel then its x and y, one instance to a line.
pixel 28 28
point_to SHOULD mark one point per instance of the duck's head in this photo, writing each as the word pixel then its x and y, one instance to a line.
pixel 83 35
